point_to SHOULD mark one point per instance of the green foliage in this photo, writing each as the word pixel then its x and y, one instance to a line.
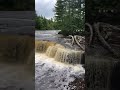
pixel 44 24
pixel 70 16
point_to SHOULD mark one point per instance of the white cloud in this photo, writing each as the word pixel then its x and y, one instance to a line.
pixel 45 7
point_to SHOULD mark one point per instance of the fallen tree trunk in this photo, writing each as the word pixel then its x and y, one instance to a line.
pixel 91 32
pixel 96 26
pixel 115 28
pixel 75 37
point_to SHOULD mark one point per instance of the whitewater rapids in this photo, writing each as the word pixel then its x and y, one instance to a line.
pixel 53 75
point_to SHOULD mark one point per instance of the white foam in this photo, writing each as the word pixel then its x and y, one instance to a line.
pixel 53 75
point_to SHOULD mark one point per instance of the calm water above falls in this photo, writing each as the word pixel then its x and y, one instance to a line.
pixel 51 35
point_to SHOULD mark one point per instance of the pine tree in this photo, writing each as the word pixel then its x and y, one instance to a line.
pixel 59 11
pixel 70 16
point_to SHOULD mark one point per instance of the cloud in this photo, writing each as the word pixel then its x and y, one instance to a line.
pixel 45 8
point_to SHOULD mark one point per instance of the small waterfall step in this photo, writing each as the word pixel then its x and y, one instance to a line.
pixel 59 52
pixel 69 56
pixel 51 51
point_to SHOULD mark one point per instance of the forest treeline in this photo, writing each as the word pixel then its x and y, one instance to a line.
pixel 69 17
pixel 44 24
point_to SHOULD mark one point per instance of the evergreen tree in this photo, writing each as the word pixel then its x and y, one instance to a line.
pixel 44 24
pixel 70 16
pixel 59 11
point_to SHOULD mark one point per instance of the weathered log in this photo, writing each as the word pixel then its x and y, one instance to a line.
pixel 115 28
pixel 75 37
pixel 96 26
pixel 91 32
pixel 80 39
pixel 108 35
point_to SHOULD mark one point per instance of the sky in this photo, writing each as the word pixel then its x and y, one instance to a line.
pixel 45 8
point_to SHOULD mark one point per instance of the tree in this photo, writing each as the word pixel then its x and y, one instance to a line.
pixel 70 16
pixel 59 11
pixel 44 24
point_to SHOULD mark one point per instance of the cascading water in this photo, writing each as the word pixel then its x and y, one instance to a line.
pixel 41 46
pixel 54 75
pixel 69 56
pixel 59 52
pixel 52 72
pixel 51 51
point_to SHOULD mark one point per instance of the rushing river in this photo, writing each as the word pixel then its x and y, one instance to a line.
pixel 51 35
pixel 51 74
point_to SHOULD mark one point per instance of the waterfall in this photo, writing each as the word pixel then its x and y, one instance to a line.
pixel 59 52
pixel 51 51
pixel 41 46
pixel 69 56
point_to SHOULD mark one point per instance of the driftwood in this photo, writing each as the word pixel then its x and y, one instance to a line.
pixel 107 35
pixel 107 30
pixel 78 43
pixel 115 28
pixel 103 35
pixel 75 40
pixel 91 32
pixel 96 26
